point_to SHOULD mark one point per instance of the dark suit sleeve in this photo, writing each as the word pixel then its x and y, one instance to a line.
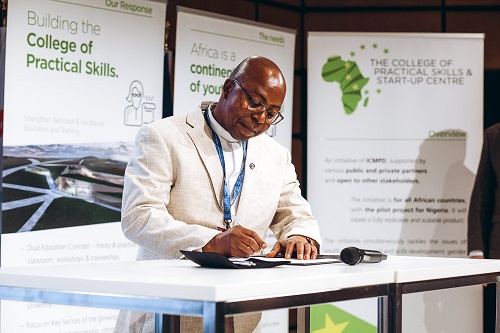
pixel 482 202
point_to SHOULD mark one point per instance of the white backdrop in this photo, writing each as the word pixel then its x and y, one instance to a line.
pixel 394 138
pixel 81 77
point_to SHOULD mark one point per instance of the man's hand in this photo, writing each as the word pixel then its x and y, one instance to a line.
pixel 236 242
pixel 297 244
pixel 476 257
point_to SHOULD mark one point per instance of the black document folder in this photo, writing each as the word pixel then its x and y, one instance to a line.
pixel 216 260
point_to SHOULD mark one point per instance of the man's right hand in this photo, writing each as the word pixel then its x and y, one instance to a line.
pixel 236 242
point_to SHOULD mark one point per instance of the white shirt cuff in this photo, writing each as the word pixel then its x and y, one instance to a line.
pixel 476 253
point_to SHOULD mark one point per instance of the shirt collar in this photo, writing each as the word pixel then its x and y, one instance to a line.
pixel 218 129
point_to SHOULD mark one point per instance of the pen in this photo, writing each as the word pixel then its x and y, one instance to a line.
pixel 237 221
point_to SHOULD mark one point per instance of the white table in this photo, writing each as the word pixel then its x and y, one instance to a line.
pixel 183 288
pixel 419 274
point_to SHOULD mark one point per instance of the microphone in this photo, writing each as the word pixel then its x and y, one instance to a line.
pixel 353 255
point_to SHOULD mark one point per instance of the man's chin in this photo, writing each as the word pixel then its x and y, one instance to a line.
pixel 246 133
pixel 244 137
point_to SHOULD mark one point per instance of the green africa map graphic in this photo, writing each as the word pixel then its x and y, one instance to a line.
pixel 349 76
pixel 351 81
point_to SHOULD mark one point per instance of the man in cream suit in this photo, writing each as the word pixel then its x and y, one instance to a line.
pixel 209 181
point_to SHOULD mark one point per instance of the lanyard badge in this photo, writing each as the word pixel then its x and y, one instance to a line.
pixel 226 199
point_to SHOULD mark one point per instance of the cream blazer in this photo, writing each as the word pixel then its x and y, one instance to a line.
pixel 173 189
pixel 172 198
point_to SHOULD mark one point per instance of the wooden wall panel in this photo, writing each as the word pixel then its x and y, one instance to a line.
pixel 290 3
pixel 284 18
pixel 472 2
pixel 483 22
pixel 233 8
pixel 297 107
pixel 425 21
pixel 400 21
pixel 309 4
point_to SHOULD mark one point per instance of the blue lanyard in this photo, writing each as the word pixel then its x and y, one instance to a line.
pixel 239 181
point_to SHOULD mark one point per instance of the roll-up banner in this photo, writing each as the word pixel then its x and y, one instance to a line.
pixel 81 76
pixel 208 47
pixel 394 139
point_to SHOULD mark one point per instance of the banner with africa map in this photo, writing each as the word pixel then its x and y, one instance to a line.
pixel 395 126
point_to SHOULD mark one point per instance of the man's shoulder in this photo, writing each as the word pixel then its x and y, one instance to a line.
pixel 180 118
pixel 493 130
pixel 168 122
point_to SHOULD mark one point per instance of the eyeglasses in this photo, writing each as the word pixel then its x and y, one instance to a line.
pixel 256 107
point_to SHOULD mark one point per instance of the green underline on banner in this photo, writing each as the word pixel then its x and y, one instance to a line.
pixel 393 139
pixel 233 37
pixel 100 8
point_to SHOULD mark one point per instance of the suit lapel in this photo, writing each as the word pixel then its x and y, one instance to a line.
pixel 202 140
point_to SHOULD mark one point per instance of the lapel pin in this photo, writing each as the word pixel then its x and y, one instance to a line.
pixel 252 166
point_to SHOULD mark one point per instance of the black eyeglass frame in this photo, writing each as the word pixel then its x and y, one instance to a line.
pixel 271 121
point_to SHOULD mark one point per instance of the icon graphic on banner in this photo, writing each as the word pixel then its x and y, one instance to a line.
pixel 138 112
pixel 350 77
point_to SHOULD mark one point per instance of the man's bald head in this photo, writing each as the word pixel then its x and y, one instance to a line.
pixel 258 67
